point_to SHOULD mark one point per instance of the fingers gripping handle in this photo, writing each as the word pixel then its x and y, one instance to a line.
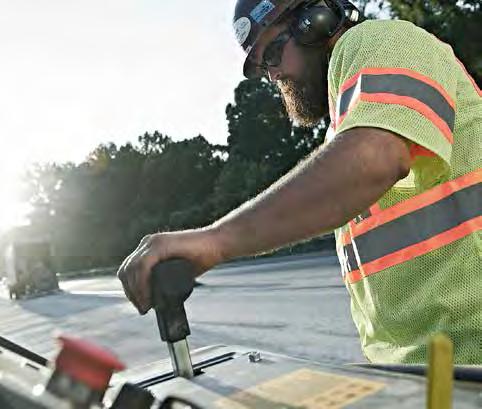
pixel 172 283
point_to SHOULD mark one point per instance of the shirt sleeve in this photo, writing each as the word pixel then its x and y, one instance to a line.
pixel 396 76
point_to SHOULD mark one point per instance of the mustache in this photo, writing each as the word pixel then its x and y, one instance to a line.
pixel 288 84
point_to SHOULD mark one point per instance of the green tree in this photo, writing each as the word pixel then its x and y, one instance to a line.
pixel 153 143
pixel 263 144
pixel 257 121
pixel 259 129
pixel 239 180
pixel 87 208
pixel 455 22
pixel 177 185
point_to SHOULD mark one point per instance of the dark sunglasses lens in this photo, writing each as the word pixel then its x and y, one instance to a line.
pixel 252 70
pixel 272 57
pixel 274 51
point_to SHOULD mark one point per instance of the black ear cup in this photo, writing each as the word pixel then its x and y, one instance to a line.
pixel 315 24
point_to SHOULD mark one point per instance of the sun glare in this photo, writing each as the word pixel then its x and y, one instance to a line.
pixel 12 210
pixel 13 213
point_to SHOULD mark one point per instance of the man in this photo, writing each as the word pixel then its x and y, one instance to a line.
pixel 399 180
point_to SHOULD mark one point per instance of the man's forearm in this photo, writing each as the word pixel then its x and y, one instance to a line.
pixel 333 185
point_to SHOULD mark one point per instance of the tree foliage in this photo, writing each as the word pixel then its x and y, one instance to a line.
pixel 98 210
pixel 455 22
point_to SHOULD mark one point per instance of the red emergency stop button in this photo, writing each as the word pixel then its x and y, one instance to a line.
pixel 87 363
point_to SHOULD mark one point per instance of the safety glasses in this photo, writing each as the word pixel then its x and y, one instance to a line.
pixel 273 54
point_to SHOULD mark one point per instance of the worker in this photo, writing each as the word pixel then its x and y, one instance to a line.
pixel 399 179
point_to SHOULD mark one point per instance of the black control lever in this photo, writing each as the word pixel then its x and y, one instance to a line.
pixel 172 282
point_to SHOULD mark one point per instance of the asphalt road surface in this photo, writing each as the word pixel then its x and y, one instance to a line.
pixel 295 306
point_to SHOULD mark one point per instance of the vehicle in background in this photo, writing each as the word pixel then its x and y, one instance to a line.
pixel 29 268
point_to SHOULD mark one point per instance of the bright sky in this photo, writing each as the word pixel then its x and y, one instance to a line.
pixel 74 74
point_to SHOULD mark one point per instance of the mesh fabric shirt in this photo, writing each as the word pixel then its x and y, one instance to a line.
pixel 412 263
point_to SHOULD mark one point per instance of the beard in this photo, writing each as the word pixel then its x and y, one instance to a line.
pixel 306 100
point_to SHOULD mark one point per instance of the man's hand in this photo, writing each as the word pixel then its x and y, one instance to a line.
pixel 198 246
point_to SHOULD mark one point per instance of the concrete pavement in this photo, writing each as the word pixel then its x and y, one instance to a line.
pixel 296 306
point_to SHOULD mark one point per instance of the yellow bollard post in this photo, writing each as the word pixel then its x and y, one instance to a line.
pixel 440 373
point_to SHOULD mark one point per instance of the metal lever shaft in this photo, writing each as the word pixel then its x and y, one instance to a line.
pixel 172 282
pixel 181 358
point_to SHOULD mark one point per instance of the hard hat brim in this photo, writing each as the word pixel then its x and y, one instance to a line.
pixel 250 69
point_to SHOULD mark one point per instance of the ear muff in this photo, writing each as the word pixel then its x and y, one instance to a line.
pixel 313 25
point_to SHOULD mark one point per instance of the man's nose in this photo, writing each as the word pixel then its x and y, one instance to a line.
pixel 274 73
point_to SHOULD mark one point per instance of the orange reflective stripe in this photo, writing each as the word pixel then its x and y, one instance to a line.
pixel 402 71
pixel 414 104
pixel 341 118
pixel 349 82
pixel 410 205
pixel 374 259
pixel 345 237
pixel 375 208
pixel 399 86
pixel 419 249
pixel 413 74
pixel 353 277
pixel 417 150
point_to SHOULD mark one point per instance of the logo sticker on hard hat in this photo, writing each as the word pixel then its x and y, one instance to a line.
pixel 260 11
pixel 242 27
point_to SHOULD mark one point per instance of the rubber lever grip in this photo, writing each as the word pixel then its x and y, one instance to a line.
pixel 172 282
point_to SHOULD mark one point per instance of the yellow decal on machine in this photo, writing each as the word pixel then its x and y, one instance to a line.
pixel 303 388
